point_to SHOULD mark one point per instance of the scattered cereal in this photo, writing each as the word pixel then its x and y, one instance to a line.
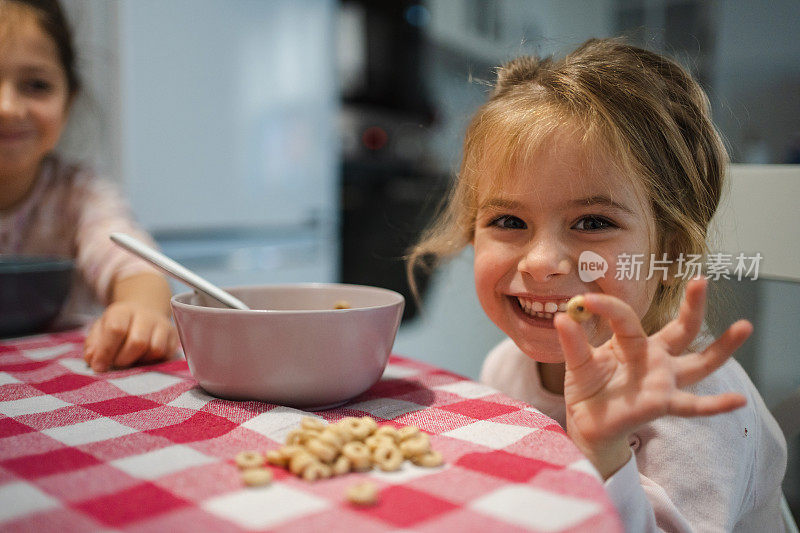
pixel 365 493
pixel 317 450
pixel 256 476
pixel 249 459
pixel 299 462
pixel 341 304
pixel 389 431
pixel 388 458
pixel 324 452
pixel 407 432
pixel 316 470
pixel 429 459
pixel 359 455
pixel 416 445
pixel 314 424
pixel 341 465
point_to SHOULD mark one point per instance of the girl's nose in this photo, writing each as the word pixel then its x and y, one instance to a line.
pixel 544 259
pixel 10 103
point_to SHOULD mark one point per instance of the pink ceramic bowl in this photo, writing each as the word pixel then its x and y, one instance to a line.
pixel 293 348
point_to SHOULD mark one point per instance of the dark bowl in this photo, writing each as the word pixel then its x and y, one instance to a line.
pixel 32 292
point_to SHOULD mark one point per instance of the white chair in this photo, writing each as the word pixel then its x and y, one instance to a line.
pixel 787 414
pixel 788 519
pixel 761 203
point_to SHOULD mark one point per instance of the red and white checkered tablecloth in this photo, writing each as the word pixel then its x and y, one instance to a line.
pixel 146 449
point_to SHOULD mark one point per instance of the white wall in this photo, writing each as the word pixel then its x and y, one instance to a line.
pixel 756 82
pixel 93 132
pixel 452 330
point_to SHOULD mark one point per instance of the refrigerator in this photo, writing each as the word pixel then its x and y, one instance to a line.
pixel 228 142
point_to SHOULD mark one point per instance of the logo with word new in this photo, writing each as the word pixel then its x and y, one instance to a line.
pixel 591 266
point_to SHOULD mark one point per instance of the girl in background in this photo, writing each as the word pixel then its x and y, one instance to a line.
pixel 54 207
pixel 602 156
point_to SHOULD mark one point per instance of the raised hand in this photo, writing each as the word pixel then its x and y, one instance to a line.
pixel 632 378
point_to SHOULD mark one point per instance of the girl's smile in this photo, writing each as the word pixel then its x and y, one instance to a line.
pixel 538 310
pixel 530 232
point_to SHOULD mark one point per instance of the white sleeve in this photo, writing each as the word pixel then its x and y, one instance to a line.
pixel 636 504
pixel 103 211
pixel 702 474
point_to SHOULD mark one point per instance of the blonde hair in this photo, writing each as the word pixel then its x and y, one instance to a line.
pixel 641 108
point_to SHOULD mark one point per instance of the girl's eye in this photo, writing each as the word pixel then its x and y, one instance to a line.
pixel 37 86
pixel 594 223
pixel 508 222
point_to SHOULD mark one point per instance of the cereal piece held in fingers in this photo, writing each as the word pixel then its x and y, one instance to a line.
pixel 364 493
pixel 249 459
pixel 576 309
pixel 254 477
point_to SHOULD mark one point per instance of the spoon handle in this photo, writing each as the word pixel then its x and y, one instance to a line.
pixel 176 270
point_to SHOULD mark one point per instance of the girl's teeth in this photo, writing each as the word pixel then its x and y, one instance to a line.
pixel 541 310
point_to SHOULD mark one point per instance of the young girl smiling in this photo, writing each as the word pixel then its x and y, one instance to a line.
pixel 611 150
pixel 51 207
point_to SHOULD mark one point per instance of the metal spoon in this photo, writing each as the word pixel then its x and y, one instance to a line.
pixel 176 270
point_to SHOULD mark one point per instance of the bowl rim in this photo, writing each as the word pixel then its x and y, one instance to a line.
pixel 34 263
pixel 400 299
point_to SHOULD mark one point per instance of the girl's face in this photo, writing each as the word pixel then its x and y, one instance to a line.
pixel 34 101
pixel 531 232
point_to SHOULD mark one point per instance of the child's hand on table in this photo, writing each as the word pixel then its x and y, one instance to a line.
pixel 632 379
pixel 136 327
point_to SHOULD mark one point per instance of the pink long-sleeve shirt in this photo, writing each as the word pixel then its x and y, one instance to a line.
pixel 718 473
pixel 69 213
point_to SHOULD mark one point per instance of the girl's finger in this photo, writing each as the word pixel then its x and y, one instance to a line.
pixel 624 323
pixel 112 331
pixel 685 404
pixel 91 341
pixel 173 341
pixel 137 342
pixel 574 344
pixel 159 344
pixel 679 333
pixel 692 368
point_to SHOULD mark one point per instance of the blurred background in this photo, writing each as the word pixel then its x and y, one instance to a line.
pixel 270 141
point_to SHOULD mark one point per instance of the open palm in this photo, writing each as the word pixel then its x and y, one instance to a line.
pixel 632 379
